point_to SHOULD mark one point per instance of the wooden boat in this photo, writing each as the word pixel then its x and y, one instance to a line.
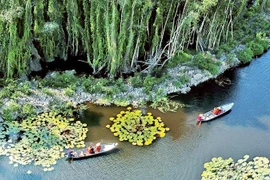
pixel 224 109
pixel 104 148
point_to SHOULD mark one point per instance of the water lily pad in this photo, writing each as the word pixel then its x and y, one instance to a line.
pixel 137 128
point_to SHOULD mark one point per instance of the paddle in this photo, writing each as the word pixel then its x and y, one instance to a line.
pixel 199 123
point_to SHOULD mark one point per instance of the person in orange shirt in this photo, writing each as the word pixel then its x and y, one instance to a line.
pixel 217 111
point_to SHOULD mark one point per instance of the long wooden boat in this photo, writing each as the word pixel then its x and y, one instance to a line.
pixel 104 148
pixel 224 109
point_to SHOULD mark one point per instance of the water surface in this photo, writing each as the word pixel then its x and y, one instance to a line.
pixel 183 151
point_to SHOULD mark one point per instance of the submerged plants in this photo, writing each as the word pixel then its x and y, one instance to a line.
pixel 136 128
pixel 218 168
pixel 41 140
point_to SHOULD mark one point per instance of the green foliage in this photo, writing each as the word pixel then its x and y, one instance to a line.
pixel 7 115
pixel 136 80
pixel 42 139
pixel 88 84
pixel 148 83
pixel 137 128
pixel 261 39
pixel 15 89
pixel 245 55
pixel 70 90
pixel 114 35
pixel 122 102
pixel 28 110
pixel 60 80
pixel 219 168
pixel 205 62
pixel 47 91
pixel 180 58
pixel 184 79
pixel 120 84
pixel 256 48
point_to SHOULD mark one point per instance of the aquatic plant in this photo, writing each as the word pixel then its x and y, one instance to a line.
pixel 136 128
pixel 164 104
pixel 218 168
pixel 42 139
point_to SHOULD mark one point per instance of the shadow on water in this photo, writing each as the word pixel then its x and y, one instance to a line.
pixel 91 117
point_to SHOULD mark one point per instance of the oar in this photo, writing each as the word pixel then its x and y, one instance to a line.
pixel 199 123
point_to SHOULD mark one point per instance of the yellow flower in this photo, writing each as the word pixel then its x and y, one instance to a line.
pixel 111 118
pixel 129 108
pixel 162 134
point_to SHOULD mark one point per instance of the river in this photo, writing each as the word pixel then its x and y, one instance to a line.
pixel 183 151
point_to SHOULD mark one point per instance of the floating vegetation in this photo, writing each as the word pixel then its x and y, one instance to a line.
pixel 220 168
pixel 136 128
pixel 41 140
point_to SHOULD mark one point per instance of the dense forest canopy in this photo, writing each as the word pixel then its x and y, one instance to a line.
pixel 116 36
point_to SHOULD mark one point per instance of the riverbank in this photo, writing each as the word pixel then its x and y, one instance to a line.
pixel 35 96
pixel 59 91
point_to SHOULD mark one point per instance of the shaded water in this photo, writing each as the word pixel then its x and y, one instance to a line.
pixel 183 151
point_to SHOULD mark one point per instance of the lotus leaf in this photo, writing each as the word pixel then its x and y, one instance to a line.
pixel 227 169
pixel 43 144
pixel 137 128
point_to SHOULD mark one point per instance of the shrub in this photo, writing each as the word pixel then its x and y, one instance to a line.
pixel 14 89
pixel 256 48
pixel 260 38
pixel 47 91
pixel 245 55
pixel 28 109
pixel 180 58
pixel 7 115
pixel 88 83
pixel 149 82
pixel 120 85
pixel 135 81
pixel 205 62
pixel 70 90
pixel 92 85
pixel 60 80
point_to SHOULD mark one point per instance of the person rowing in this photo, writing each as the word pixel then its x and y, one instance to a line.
pixel 199 119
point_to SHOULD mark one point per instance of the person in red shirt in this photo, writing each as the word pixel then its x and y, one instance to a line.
pixel 98 147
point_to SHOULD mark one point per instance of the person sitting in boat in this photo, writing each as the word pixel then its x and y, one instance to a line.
pixel 98 147
pixel 217 111
pixel 82 154
pixel 90 150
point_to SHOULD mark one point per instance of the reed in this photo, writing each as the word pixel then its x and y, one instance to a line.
pixel 116 36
